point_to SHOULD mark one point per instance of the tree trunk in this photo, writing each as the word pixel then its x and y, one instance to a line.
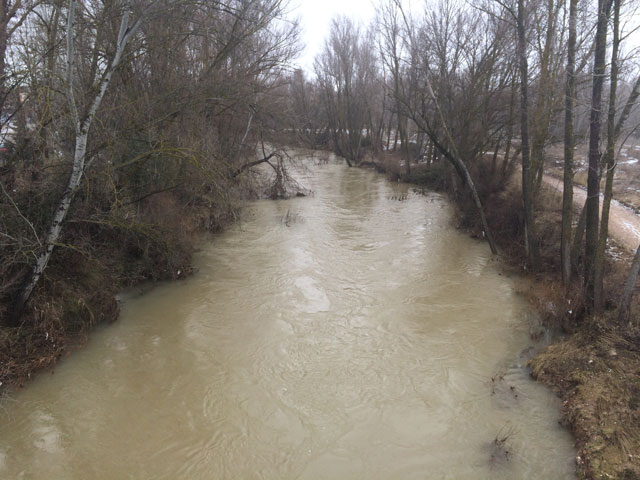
pixel 593 178
pixel 55 228
pixel 631 101
pixel 79 157
pixel 527 184
pixel 609 163
pixel 404 144
pixel 569 143
pixel 627 293
pixel 544 103
pixel 463 171
pixel 386 147
pixel 494 158
pixel 576 249
pixel 507 148
pixel 4 26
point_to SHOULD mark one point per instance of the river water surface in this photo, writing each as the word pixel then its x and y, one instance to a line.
pixel 352 334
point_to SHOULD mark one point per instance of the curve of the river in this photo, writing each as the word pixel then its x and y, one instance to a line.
pixel 352 334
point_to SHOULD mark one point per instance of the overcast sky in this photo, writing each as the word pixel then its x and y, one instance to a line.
pixel 316 18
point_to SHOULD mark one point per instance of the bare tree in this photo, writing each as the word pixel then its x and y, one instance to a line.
pixel 569 143
pixel 527 174
pixel 346 71
pixel 12 17
pixel 391 52
pixel 423 104
pixel 83 122
pixel 593 179
pixel 608 162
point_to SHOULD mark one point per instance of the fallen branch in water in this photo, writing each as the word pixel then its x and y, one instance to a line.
pixel 254 163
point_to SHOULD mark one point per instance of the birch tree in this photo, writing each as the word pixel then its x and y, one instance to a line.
pixel 83 121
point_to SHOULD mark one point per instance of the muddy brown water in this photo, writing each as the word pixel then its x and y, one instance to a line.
pixel 352 334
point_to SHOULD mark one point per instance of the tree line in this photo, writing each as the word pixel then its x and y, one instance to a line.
pixel 115 114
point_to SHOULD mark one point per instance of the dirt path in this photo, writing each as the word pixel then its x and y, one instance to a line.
pixel 624 224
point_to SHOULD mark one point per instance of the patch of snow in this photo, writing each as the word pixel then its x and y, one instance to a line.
pixel 613 251
pixel 631 228
pixel 622 205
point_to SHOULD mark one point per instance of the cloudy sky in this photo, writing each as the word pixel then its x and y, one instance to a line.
pixel 316 18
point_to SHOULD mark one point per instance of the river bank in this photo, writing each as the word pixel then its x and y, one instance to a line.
pixel 79 288
pixel 595 368
pixel 100 253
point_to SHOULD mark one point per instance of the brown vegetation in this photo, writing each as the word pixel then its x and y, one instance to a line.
pixel 97 260
pixel 597 374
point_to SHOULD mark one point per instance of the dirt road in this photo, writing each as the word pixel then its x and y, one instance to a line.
pixel 624 224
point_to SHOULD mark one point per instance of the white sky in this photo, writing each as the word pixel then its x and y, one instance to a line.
pixel 316 16
pixel 316 19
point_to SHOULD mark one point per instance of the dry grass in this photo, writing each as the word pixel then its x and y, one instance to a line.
pixel 597 374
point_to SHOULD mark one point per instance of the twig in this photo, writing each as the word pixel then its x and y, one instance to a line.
pixel 21 215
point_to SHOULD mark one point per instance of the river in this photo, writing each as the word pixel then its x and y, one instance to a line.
pixel 351 334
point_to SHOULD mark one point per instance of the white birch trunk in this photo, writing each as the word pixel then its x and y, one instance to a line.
pixel 79 158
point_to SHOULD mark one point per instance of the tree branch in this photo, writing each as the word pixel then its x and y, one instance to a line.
pixel 253 164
